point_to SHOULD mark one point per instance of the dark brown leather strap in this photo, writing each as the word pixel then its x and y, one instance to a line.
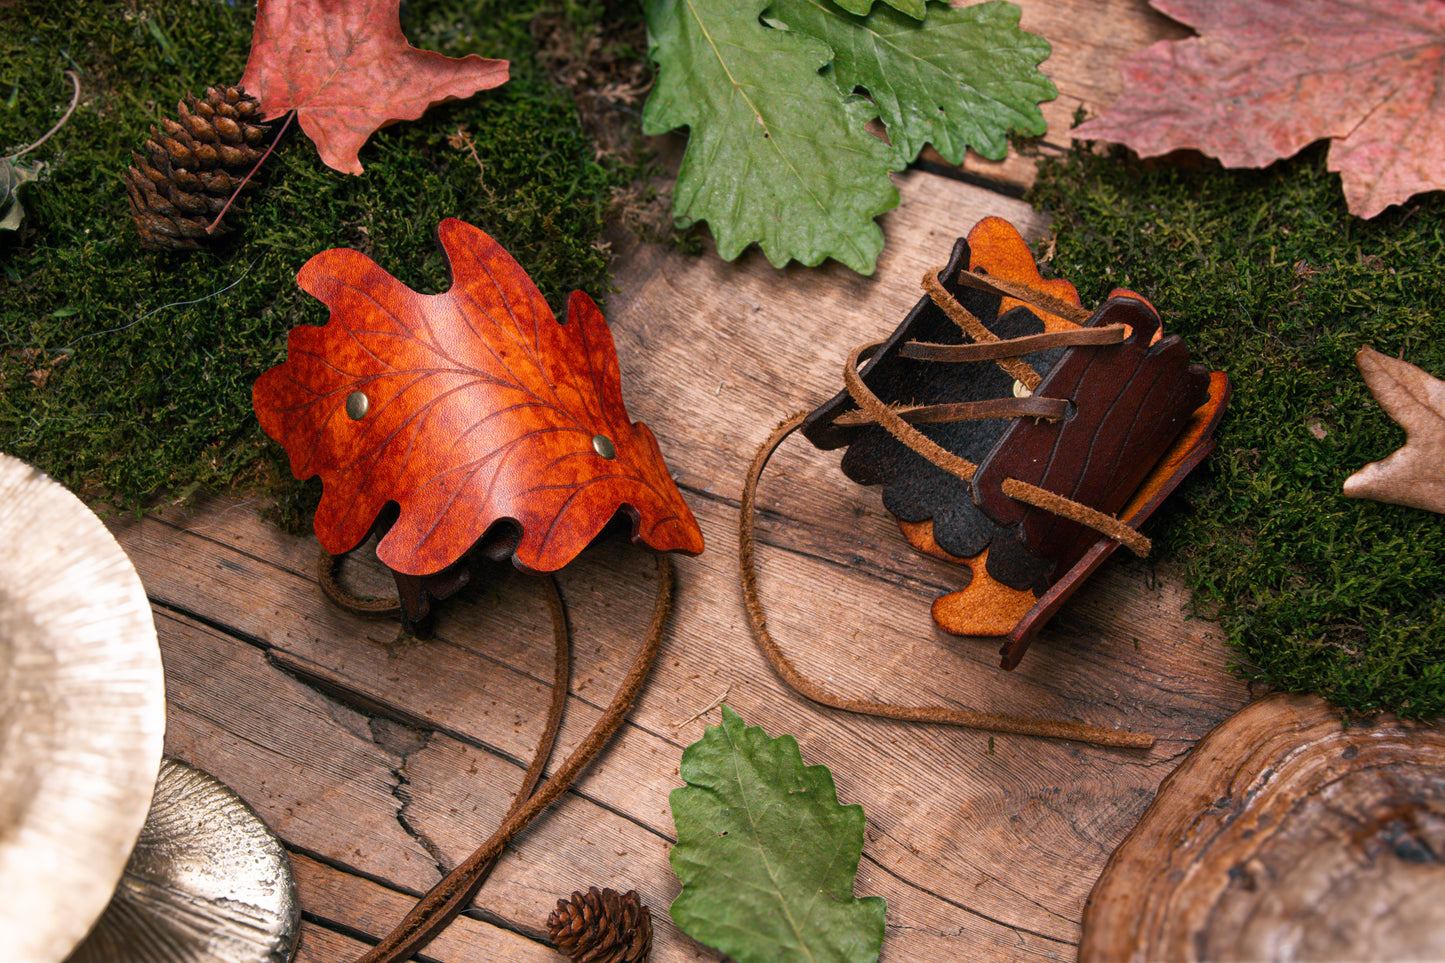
pixel 1033 407
pixel 995 350
pixel 328 568
pixel 1022 292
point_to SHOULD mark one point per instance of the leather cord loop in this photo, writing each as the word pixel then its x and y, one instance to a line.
pixel 943 715
pixel 328 568
pixel 456 890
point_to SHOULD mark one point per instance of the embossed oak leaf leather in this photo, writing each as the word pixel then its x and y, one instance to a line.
pixel 469 409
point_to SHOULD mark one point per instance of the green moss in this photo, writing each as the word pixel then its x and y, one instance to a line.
pixel 144 361
pixel 1270 279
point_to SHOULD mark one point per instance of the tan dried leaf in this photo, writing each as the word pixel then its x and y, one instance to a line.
pixel 1415 474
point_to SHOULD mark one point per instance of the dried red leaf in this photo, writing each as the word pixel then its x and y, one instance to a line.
pixel 480 407
pixel 347 70
pixel 1267 77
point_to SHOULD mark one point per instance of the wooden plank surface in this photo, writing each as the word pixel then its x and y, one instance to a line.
pixel 381 766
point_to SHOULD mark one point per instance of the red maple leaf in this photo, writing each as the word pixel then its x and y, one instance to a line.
pixel 1267 77
pixel 479 407
pixel 346 69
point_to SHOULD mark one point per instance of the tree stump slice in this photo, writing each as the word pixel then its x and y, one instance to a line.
pixel 1284 836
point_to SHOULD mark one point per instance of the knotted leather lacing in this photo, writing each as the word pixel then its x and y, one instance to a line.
pixel 1007 355
pixel 898 421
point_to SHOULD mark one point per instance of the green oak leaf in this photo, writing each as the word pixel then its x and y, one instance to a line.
pixel 776 153
pixel 914 8
pixel 962 78
pixel 13 176
pixel 766 855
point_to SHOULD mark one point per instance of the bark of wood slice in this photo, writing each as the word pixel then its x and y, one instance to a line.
pixel 1284 836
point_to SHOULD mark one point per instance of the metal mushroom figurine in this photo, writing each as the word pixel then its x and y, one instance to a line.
pixel 108 852
pixel 82 714
pixel 207 882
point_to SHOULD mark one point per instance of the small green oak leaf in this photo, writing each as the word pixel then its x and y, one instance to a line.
pixel 766 855
pixel 776 153
pixel 962 78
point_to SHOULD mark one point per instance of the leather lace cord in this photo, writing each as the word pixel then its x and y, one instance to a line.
pixel 327 567
pixel 1101 522
pixel 993 348
pixel 1022 292
pixel 441 904
pixel 967 718
pixel 970 324
pixel 1050 408
pixel 998 350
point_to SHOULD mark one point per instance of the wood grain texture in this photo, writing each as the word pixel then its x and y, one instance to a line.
pixel 383 764
pixel 338 901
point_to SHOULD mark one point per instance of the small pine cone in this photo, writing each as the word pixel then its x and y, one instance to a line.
pixel 192 167
pixel 602 927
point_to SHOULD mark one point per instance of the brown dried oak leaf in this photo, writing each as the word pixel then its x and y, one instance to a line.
pixel 477 406
pixel 347 70
pixel 1415 474
pixel 1264 78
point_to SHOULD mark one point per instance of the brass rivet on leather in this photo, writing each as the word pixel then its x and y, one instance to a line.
pixel 603 446
pixel 356 405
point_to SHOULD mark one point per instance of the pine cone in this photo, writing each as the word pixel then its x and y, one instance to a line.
pixel 191 168
pixel 605 927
